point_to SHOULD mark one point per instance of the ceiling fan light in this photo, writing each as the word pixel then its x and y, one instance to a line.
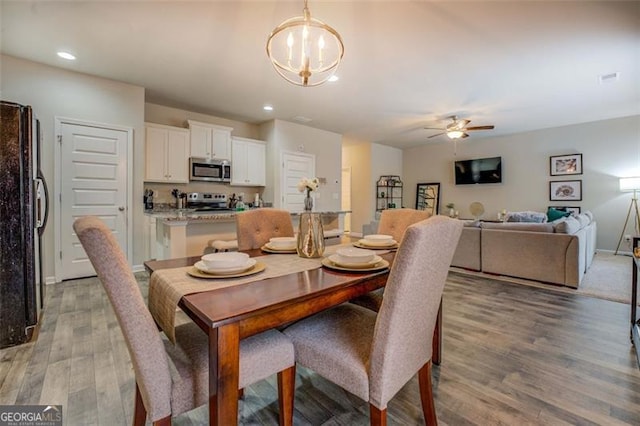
pixel 455 134
pixel 305 51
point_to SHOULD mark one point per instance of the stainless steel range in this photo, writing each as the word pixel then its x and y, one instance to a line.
pixel 207 201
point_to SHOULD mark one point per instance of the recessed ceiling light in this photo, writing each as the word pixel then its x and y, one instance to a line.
pixel 609 78
pixel 267 108
pixel 333 78
pixel 66 55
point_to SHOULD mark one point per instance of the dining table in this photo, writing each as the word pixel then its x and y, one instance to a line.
pixel 231 313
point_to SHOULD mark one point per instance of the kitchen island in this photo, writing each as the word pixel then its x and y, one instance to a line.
pixel 177 233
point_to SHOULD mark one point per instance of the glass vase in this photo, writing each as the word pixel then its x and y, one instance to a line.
pixel 308 202
pixel 310 241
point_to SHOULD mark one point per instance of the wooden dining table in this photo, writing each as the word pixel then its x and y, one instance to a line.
pixel 230 314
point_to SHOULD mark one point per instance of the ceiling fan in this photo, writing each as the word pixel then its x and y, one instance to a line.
pixel 457 129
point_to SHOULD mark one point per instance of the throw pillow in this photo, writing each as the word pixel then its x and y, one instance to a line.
pixel 553 214
pixel 527 216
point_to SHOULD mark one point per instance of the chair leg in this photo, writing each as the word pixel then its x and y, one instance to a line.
pixel 286 393
pixel 163 422
pixel 426 395
pixel 377 417
pixel 139 411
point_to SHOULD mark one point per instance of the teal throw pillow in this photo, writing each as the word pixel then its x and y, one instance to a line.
pixel 553 214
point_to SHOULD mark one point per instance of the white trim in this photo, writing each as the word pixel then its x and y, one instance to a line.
pixel 50 280
pixel 59 121
pixel 137 268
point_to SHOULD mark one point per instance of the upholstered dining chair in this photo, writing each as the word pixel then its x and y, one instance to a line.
pixel 172 379
pixel 373 356
pixel 256 227
pixel 393 222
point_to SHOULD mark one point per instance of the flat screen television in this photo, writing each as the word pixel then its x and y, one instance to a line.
pixel 479 170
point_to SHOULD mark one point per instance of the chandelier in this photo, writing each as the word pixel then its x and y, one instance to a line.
pixel 304 50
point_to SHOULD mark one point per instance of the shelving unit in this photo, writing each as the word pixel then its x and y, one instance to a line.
pixel 388 192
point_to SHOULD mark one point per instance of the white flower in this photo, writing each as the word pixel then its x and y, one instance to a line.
pixel 307 184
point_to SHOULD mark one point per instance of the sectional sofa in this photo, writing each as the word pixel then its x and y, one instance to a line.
pixel 557 252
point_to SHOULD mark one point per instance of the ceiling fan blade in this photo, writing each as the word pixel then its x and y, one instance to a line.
pixel 464 135
pixel 433 128
pixel 433 136
pixel 479 128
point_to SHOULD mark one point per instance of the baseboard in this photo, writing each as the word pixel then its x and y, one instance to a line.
pixel 620 252
pixel 137 268
pixel 50 280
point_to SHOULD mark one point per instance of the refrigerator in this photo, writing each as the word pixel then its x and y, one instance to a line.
pixel 23 217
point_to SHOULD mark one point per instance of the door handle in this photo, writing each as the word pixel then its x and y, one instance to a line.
pixel 121 208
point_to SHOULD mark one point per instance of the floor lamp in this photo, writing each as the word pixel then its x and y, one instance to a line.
pixel 627 185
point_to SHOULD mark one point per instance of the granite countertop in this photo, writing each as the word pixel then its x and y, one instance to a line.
pixel 190 215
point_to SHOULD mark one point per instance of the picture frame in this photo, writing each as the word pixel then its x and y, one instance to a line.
pixel 575 210
pixel 565 190
pixel 568 164
pixel 428 197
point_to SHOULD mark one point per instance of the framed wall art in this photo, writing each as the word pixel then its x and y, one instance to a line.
pixel 565 190
pixel 570 164
pixel 428 197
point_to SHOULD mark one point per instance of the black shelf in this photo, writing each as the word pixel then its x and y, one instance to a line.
pixel 388 192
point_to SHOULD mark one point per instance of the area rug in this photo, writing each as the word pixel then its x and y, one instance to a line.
pixel 608 277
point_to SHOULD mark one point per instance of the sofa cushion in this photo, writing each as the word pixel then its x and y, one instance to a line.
pixel 527 216
pixel 568 225
pixel 519 226
pixel 553 214
pixel 471 223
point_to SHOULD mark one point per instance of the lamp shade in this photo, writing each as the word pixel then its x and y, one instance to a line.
pixel 630 184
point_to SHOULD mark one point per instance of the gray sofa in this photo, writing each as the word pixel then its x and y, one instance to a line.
pixel 558 252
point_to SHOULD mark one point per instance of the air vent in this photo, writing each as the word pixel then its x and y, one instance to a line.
pixel 301 119
pixel 609 78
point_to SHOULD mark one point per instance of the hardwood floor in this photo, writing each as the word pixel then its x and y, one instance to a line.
pixel 512 355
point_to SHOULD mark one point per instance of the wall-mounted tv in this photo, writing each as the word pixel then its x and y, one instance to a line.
pixel 479 170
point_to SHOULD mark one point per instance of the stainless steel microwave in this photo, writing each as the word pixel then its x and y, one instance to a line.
pixel 209 170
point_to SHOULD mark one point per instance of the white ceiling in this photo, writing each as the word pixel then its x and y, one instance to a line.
pixel 520 65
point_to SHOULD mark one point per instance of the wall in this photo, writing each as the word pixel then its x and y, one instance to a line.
pixel 610 149
pixel 56 92
pixel 327 148
pixel 368 161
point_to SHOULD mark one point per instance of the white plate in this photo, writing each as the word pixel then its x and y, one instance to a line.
pixel 281 248
pixel 370 243
pixel 383 264
pixel 200 266
pixel 336 260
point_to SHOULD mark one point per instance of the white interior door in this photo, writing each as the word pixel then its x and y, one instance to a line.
pixel 93 178
pixel 295 166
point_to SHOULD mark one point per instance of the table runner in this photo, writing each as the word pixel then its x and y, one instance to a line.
pixel 168 286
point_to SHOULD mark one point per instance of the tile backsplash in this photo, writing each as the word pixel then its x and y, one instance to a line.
pixel 162 191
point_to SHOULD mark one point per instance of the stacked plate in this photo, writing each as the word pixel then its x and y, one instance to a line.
pixel 280 244
pixel 354 258
pixel 378 241
pixel 226 263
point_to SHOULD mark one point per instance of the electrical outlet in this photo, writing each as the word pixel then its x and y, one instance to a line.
pixel 627 237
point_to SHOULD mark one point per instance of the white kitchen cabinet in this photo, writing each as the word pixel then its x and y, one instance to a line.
pixel 167 153
pixel 248 159
pixel 210 140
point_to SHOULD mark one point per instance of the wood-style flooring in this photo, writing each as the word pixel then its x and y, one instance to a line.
pixel 513 355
